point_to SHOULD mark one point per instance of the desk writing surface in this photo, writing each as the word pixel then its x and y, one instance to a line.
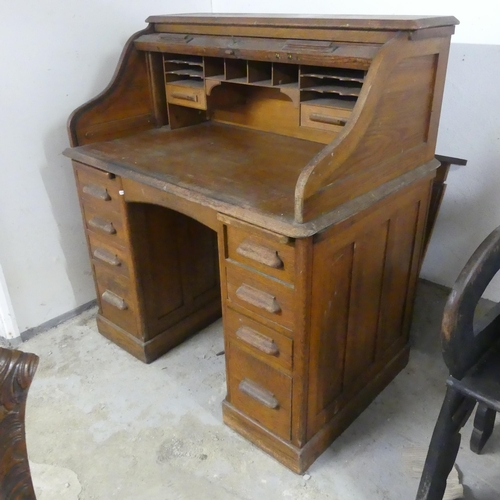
pixel 242 167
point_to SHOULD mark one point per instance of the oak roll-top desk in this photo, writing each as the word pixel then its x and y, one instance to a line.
pixel 277 170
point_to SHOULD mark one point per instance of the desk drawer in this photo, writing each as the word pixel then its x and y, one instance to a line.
pixel 256 293
pixel 262 342
pixel 261 251
pixel 184 95
pixel 113 258
pixel 98 188
pixel 259 391
pixel 108 225
pixel 117 300
pixel 323 117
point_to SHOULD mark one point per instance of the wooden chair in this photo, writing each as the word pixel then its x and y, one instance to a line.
pixel 17 370
pixel 472 354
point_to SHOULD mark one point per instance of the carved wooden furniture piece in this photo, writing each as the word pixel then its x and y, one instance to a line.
pixel 17 370
pixel 277 171
pixel 472 353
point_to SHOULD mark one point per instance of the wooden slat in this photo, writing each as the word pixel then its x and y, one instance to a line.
pixel 330 301
pixel 400 247
pixel 366 291
pixel 307 21
pixel 336 35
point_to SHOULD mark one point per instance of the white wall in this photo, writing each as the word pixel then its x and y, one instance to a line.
pixel 55 55
pixel 479 19
pixel 470 119
pixel 8 325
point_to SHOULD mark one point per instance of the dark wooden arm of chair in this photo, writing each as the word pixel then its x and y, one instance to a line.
pixel 438 189
pixel 462 344
pixel 17 370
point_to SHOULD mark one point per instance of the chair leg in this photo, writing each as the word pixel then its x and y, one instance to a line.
pixel 444 445
pixel 484 422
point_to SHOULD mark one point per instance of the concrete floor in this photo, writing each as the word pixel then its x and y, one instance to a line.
pixel 102 425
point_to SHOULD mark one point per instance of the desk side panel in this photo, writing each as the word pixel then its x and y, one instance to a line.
pixel 129 104
pixel 364 276
pixel 393 128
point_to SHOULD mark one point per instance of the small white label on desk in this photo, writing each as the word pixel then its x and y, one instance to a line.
pixel 121 192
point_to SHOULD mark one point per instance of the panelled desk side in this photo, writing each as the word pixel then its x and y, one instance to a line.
pixel 280 177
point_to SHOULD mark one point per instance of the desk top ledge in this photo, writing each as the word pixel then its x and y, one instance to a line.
pixel 221 178
pixel 382 23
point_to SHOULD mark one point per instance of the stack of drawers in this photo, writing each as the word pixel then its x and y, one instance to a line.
pixel 106 228
pixel 258 288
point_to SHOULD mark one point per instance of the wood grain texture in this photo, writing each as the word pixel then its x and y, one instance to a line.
pixel 302 337
pixel 257 293
pixel 265 109
pixel 299 459
pixel 379 137
pixel 140 298
pixel 366 289
pixel 17 370
pixel 300 20
pixel 361 305
pixel 400 253
pixel 176 265
pixel 265 343
pixel 228 164
pixel 123 108
pixel 260 391
pixel 290 189
pixel 337 35
pixel 157 85
pixel 148 351
pixel 346 55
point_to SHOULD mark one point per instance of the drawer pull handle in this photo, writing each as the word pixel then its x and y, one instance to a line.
pixel 330 120
pixel 114 300
pixel 257 392
pixel 257 340
pixel 260 253
pixel 258 298
pixel 99 192
pixel 106 256
pixel 103 225
pixel 185 97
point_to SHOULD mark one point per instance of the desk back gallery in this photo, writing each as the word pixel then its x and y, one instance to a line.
pixel 277 171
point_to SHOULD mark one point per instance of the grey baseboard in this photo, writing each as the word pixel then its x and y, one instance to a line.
pixel 31 332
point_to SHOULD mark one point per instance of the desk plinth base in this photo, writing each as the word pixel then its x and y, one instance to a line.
pixel 149 350
pixel 300 459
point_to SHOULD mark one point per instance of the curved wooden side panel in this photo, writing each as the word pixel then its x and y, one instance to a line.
pixel 17 370
pixel 124 107
pixel 393 128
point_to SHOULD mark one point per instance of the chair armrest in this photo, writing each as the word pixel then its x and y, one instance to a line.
pixel 462 346
pixel 450 160
pixel 438 190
